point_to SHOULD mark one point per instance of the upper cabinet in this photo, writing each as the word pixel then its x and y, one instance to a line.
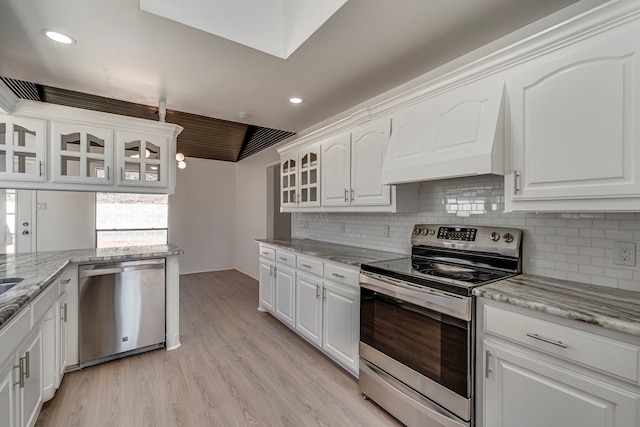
pixel 22 149
pixel 143 159
pixel 342 173
pixel 82 154
pixel 300 178
pixel 85 150
pixel 573 133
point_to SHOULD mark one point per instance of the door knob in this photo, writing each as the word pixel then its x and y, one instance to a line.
pixel 25 232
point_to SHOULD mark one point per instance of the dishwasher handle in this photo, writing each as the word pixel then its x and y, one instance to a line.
pixel 115 269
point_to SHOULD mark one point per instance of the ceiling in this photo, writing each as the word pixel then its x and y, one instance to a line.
pixel 364 49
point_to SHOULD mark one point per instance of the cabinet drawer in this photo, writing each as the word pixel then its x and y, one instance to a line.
pixel 267 252
pixel 591 350
pixel 342 275
pixel 286 258
pixel 44 301
pixel 309 265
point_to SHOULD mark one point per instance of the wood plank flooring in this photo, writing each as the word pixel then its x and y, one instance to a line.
pixel 236 367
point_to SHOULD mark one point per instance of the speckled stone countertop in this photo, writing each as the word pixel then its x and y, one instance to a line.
pixel 610 308
pixel 40 268
pixel 332 251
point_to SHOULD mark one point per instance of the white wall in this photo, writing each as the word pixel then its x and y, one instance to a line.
pixel 251 208
pixel 68 222
pixel 202 216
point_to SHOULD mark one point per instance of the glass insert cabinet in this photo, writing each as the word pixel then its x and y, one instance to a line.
pixel 82 154
pixel 300 177
pixel 142 159
pixel 22 149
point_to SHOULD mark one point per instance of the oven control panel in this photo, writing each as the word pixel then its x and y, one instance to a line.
pixel 480 238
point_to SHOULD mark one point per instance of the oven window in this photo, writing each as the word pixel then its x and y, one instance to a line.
pixel 433 344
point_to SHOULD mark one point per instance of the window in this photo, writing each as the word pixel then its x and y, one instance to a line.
pixel 124 219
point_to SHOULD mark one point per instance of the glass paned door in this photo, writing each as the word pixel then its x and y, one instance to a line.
pixel 22 148
pixel 143 159
pixel 82 154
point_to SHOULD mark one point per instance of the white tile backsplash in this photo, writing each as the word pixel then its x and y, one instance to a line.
pixel 571 246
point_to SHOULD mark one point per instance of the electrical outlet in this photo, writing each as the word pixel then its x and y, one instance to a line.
pixel 385 231
pixel 41 206
pixel 624 253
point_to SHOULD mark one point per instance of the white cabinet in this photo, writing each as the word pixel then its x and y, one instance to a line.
pixel 45 146
pixel 523 391
pixel 309 291
pixel 61 319
pixel 22 149
pixel 82 154
pixel 285 285
pixel 341 323
pixel 300 178
pixel 8 414
pixel 318 299
pixel 29 362
pixel 143 160
pixel 535 369
pixel 267 278
pixel 575 145
pixel 352 166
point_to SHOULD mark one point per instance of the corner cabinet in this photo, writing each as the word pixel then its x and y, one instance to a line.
pixel 52 147
pixel 534 371
pixel 572 130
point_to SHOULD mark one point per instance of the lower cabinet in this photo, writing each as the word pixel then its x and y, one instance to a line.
pixel 62 318
pixel 535 369
pixel 29 361
pixel 318 299
pixel 8 412
pixel 524 391
pixel 285 295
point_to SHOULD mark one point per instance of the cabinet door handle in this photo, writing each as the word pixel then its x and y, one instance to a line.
pixel 352 194
pixel 282 258
pixel 28 364
pixel 65 281
pixel 63 309
pixel 339 276
pixel 324 294
pixel 317 291
pixel 20 378
pixel 121 174
pixel 547 340
pixel 306 266
pixel 487 356
pixel 270 270
pixel 264 253
pixel 108 173
pixel 346 195
pixel 516 180
pixel 41 167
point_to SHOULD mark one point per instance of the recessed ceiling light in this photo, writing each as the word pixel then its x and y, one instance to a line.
pixel 296 100
pixel 59 37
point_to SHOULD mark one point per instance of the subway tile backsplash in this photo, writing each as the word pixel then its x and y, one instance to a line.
pixel 571 246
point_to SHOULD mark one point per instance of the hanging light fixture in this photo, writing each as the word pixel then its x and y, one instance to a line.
pixel 180 159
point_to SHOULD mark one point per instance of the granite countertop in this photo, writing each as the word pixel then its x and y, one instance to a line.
pixel 352 255
pixel 610 308
pixel 39 268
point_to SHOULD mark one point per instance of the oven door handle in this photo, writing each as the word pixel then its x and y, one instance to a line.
pixel 410 396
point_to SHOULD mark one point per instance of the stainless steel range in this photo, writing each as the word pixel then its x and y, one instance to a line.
pixel 416 321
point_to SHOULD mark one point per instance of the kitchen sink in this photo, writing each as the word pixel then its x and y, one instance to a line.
pixel 8 283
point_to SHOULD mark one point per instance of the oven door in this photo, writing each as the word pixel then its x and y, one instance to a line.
pixel 405 333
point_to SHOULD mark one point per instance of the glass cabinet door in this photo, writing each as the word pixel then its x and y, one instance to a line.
pixel 22 149
pixel 288 173
pixel 143 160
pixel 309 178
pixel 82 154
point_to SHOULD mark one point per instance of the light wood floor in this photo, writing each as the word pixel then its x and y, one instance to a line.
pixel 236 367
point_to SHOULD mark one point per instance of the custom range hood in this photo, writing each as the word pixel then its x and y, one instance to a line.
pixel 456 133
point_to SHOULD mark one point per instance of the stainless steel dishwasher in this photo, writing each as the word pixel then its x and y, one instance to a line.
pixel 121 309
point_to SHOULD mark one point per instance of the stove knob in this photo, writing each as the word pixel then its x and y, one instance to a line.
pixel 425 231
pixel 508 238
pixel 432 232
pixel 494 236
pixel 416 231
